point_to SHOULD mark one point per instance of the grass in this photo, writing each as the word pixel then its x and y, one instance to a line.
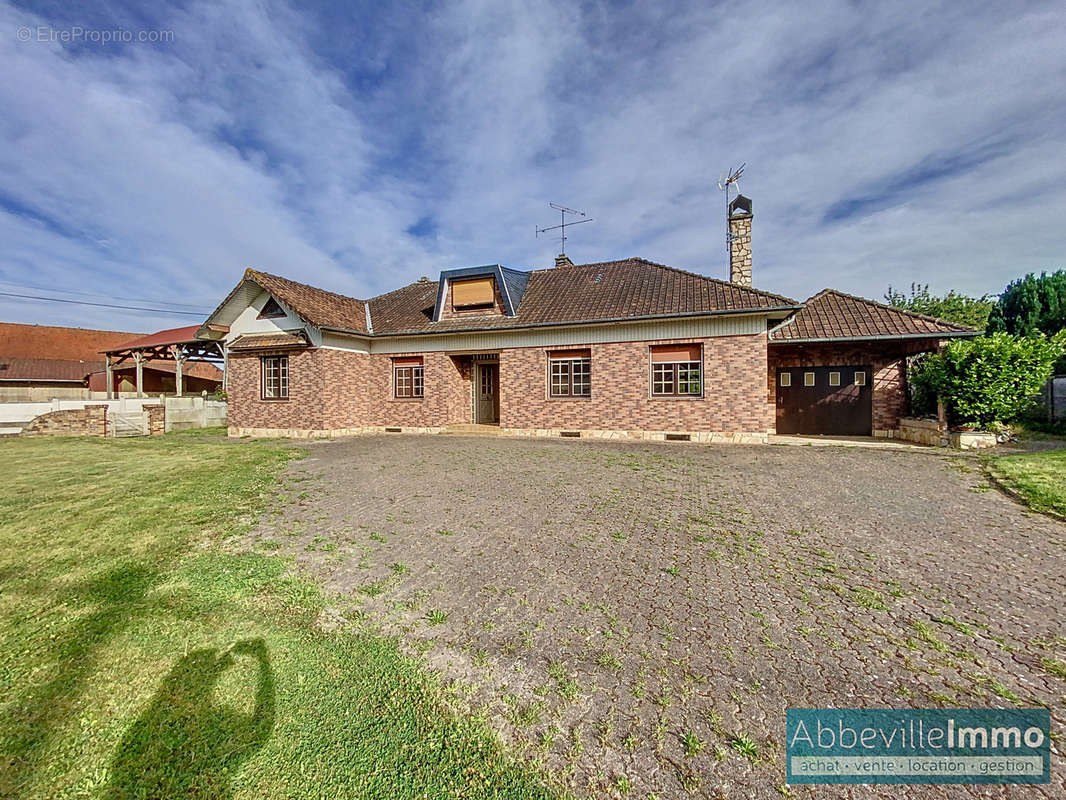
pixel 1040 478
pixel 144 653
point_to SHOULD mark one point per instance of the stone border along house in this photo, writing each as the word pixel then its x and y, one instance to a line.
pixel 618 349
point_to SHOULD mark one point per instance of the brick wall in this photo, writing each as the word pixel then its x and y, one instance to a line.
pixel 734 399
pixel 307 388
pixel 88 421
pixel 447 393
pixel 341 390
pixel 335 390
pixel 886 361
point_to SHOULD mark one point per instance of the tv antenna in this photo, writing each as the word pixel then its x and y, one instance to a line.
pixel 561 227
pixel 731 178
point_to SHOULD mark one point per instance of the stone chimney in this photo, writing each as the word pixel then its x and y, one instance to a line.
pixel 740 241
pixel 563 260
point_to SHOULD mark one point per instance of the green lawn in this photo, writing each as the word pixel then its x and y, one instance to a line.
pixel 142 657
pixel 1038 477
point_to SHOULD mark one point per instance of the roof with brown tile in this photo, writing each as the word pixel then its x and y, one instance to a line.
pixel 632 288
pixel 317 306
pixel 832 315
pixel 268 341
pixel 161 338
pixel 46 369
pixel 56 342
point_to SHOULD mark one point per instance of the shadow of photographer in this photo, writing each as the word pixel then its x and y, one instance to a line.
pixel 187 743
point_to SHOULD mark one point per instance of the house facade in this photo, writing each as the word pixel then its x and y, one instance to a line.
pixel 616 349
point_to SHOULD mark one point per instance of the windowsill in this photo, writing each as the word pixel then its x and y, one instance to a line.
pixel 677 397
pixel 406 399
pixel 274 399
pixel 569 397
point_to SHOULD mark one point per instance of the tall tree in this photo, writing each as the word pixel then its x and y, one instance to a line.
pixel 1032 305
pixel 953 306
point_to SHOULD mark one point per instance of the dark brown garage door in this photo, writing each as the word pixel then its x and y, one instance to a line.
pixel 831 400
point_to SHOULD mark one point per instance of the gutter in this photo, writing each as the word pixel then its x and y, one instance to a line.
pixel 603 321
pixel 878 338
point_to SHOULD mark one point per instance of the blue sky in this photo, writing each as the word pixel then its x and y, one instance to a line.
pixel 359 146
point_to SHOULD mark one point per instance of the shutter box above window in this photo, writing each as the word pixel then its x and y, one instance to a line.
pixel 408 361
pixel 675 352
pixel 568 354
pixel 478 292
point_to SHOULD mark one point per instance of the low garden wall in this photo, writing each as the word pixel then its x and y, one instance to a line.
pixel 87 421
pixel 92 420
pixel 934 433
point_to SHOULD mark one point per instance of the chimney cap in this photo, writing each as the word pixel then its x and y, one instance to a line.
pixel 740 206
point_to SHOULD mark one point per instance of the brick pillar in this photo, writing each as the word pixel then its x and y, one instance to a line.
pixel 96 420
pixel 157 419
pixel 563 260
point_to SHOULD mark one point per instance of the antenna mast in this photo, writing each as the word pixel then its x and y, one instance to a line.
pixel 561 227
pixel 731 178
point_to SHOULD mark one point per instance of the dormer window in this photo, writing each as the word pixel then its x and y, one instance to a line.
pixel 271 310
pixel 473 295
pixel 485 291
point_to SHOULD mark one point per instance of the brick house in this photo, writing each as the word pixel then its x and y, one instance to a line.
pixel 614 349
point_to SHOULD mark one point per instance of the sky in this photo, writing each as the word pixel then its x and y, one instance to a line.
pixel 151 152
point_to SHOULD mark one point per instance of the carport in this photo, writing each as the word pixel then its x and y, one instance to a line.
pixel 178 345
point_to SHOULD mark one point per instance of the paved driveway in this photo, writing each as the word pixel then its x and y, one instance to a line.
pixel 638 617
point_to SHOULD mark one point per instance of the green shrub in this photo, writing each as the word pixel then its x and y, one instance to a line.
pixel 988 379
pixel 954 307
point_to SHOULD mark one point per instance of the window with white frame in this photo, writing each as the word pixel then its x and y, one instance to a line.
pixel 786 378
pixel 274 380
pixel 860 378
pixel 408 378
pixel 677 370
pixel 570 373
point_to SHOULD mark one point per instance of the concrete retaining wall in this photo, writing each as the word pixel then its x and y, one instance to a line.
pixel 194 412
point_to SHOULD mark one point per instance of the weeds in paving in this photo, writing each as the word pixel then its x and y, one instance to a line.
pixel 608 660
pixel 373 589
pixel 927 634
pixel 869 598
pixel 961 627
pixel 1054 667
pixel 691 743
pixel 746 747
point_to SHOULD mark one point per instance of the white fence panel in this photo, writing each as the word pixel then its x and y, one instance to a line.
pixel 181 412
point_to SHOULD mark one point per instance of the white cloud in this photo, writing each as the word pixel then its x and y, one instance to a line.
pixel 277 137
